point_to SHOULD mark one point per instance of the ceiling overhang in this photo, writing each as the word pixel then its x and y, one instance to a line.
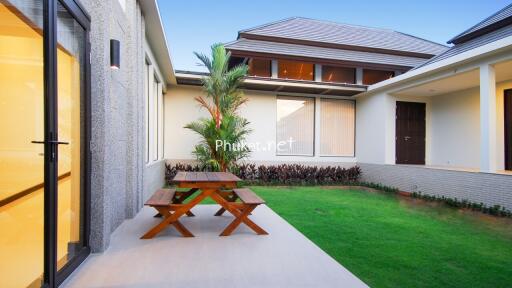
pixel 456 82
pixel 280 85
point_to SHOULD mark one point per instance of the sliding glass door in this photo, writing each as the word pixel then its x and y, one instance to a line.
pixel 70 100
pixel 44 141
pixel 21 161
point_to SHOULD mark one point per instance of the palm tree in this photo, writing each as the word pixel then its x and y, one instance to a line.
pixel 222 84
pixel 223 99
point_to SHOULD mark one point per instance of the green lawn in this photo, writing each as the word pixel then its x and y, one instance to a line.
pixel 390 242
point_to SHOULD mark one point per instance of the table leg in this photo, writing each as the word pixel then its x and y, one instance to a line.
pixel 243 215
pixel 177 214
pixel 232 198
pixel 183 196
pixel 166 212
pixel 238 214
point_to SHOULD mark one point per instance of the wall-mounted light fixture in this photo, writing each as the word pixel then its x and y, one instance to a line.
pixel 115 54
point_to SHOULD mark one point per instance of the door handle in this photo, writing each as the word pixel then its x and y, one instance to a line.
pixel 50 142
pixel 406 138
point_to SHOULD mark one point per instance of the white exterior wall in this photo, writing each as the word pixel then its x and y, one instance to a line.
pixel 452 128
pixel 375 127
pixel 371 129
pixel 261 111
pixel 181 109
pixel 456 128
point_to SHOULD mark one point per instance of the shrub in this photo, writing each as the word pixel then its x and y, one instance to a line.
pixel 495 210
pixel 286 174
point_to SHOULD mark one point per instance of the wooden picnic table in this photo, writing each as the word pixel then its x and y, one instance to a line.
pixel 219 187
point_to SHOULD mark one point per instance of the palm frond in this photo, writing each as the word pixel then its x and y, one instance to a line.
pixel 223 99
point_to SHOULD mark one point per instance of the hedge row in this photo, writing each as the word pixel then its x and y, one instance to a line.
pixel 281 174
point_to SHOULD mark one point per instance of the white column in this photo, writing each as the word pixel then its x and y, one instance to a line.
pixel 317 127
pixel 359 75
pixel 318 72
pixel 274 68
pixel 487 119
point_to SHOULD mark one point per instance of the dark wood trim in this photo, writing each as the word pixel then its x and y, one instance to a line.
pixel 321 61
pixel 507 101
pixel 333 45
pixel 28 191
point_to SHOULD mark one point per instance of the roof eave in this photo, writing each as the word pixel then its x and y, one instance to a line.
pixel 448 63
pixel 463 37
pixel 326 61
pixel 285 40
pixel 156 38
pixel 280 85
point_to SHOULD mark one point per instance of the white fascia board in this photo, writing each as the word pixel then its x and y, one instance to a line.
pixel 303 85
pixel 154 63
pixel 281 83
pixel 157 40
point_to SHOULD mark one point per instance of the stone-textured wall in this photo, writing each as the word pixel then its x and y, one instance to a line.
pixel 490 189
pixel 117 117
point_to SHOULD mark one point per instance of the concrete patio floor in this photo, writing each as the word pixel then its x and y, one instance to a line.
pixel 285 258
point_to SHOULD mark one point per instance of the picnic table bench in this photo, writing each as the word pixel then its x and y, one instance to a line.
pixel 164 201
pixel 220 186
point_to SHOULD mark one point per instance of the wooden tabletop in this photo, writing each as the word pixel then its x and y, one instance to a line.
pixel 205 177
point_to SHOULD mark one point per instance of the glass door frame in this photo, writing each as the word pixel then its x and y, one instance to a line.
pixel 53 277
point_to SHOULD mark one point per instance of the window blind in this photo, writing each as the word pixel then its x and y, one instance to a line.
pixel 295 125
pixel 337 119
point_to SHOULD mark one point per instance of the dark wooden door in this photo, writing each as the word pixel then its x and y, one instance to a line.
pixel 508 129
pixel 410 133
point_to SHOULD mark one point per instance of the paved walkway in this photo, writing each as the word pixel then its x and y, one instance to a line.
pixel 285 258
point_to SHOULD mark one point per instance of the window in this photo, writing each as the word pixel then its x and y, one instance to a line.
pixel 260 67
pixel 337 123
pixel 295 126
pixel 295 70
pixel 161 126
pixel 235 61
pixel 147 69
pixel 374 76
pixel 154 114
pixel 154 129
pixel 338 74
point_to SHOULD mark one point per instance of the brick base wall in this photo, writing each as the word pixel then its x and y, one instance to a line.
pixel 490 189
